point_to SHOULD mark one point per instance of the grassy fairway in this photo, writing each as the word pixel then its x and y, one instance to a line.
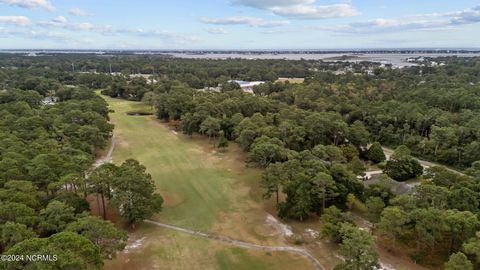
pixel 203 190
pixel 291 80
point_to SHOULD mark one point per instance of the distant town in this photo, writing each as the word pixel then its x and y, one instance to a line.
pixel 253 51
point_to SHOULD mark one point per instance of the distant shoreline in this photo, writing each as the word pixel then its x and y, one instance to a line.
pixel 397 58
pixel 255 52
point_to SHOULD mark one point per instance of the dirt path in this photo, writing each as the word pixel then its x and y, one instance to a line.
pixel 108 157
pixel 241 244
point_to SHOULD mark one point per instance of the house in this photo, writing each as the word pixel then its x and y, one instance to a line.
pixel 217 89
pixel 49 100
pixel 247 87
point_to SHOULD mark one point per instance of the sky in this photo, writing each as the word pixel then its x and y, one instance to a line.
pixel 238 24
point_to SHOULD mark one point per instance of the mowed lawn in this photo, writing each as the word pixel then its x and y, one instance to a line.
pixel 203 190
pixel 194 190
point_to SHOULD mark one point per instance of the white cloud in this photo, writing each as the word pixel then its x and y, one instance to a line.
pixel 301 9
pixel 29 33
pixel 316 12
pixel 15 20
pixel 60 20
pixel 178 38
pixel 379 25
pixel 265 4
pixel 217 31
pixel 63 23
pixel 45 4
pixel 244 20
pixel 83 26
pixel 423 22
pixel 467 16
pixel 78 12
pixel 281 31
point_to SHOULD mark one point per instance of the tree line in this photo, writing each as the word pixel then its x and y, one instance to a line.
pixel 46 154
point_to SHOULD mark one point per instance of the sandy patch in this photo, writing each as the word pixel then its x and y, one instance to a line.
pixel 135 244
pixel 283 229
pixel 172 198
pixel 386 267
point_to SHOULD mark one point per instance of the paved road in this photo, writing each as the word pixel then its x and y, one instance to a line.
pixel 426 164
pixel 108 158
pixel 241 244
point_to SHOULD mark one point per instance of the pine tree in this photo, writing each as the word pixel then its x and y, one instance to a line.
pixel 222 143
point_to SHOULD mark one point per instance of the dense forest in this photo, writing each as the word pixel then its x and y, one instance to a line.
pixel 313 140
pixel 46 176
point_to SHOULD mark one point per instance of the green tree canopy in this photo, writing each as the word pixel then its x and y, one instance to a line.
pixel 375 153
pixel 458 261
pixel 134 192
pixel 102 233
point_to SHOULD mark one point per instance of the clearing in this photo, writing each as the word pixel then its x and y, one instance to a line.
pixel 291 80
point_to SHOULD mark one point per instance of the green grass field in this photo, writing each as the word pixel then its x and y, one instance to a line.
pixel 203 190
pixel 291 80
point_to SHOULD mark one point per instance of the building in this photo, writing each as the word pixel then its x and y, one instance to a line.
pixel 217 89
pixel 247 87
pixel 49 100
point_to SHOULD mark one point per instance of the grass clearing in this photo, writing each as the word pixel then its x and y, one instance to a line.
pixel 203 190
pixel 291 80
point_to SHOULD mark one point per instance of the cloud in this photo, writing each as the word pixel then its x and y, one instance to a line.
pixel 468 16
pixel 79 12
pixel 281 31
pixel 244 20
pixel 109 30
pixel 301 9
pixel 265 4
pixel 379 25
pixel 59 21
pixel 178 38
pixel 62 22
pixel 83 26
pixel 423 22
pixel 15 20
pixel 316 12
pixel 29 33
pixel 5 32
pixel 217 31
pixel 45 4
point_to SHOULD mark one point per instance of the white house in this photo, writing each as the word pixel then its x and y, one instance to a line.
pixel 49 100
pixel 247 87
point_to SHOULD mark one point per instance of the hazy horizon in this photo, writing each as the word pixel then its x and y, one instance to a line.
pixel 393 49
